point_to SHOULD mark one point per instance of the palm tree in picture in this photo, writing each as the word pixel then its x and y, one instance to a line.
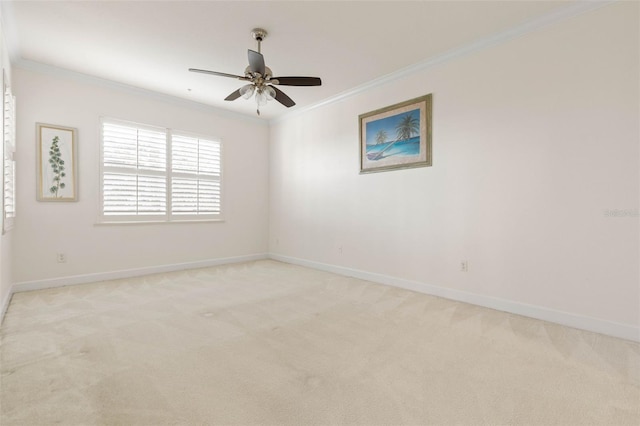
pixel 381 136
pixel 408 126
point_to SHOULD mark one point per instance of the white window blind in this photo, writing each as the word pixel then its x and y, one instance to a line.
pixel 195 183
pixel 9 164
pixel 134 166
pixel 145 170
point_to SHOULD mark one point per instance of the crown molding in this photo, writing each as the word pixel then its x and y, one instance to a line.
pixel 573 9
pixel 12 44
pixel 559 15
pixel 150 94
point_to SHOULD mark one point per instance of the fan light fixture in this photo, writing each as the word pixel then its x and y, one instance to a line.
pixel 247 91
pixel 261 80
pixel 264 94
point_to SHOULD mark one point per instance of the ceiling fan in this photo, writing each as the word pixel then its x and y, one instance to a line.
pixel 262 81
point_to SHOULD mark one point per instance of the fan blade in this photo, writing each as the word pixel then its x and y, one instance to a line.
pixel 221 74
pixel 297 81
pixel 232 97
pixel 256 62
pixel 282 98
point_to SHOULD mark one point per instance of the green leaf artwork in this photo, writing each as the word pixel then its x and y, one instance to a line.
pixel 57 165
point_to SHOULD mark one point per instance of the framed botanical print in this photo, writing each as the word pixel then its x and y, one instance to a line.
pixel 56 152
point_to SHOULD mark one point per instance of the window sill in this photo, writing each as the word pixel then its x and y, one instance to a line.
pixel 154 222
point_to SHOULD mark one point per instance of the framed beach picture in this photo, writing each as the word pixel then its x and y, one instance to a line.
pixel 56 152
pixel 396 137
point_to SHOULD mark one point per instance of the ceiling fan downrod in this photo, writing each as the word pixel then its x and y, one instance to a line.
pixel 259 34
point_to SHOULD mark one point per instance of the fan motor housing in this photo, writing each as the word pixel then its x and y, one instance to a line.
pixel 259 34
pixel 267 72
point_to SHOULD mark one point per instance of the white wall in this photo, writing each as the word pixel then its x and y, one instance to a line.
pixel 44 228
pixel 533 140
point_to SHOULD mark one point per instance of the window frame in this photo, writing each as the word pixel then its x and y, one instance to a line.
pixel 168 174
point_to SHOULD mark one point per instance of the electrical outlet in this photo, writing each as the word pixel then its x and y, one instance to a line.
pixel 340 249
pixel 464 266
pixel 62 258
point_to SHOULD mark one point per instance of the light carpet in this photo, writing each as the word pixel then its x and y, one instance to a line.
pixel 276 344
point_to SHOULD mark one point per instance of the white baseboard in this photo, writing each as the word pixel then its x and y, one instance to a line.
pixel 624 331
pixel 129 273
pixel 5 303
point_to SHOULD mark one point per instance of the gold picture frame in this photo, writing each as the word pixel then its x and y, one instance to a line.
pixel 397 136
pixel 56 157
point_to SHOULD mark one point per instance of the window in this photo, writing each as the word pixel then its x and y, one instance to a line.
pixel 195 175
pixel 9 164
pixel 157 174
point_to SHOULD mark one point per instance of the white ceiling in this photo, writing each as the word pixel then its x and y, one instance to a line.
pixel 151 44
